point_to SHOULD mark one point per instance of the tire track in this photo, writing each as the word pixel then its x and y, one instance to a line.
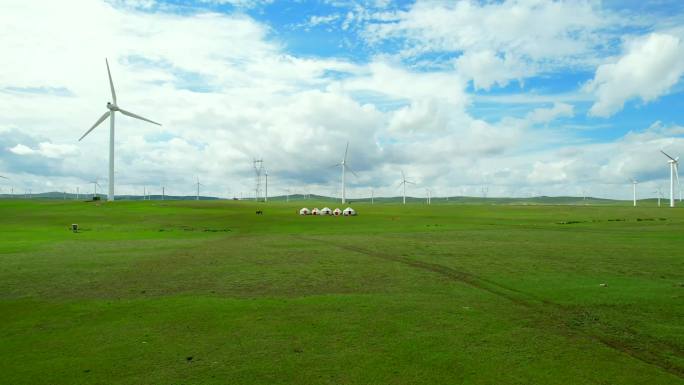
pixel 650 352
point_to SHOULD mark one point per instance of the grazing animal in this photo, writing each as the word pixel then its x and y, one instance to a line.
pixel 259 212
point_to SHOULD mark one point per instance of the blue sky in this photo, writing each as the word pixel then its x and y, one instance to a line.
pixel 524 96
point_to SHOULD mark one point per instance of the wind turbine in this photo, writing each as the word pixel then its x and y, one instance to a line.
pixel 112 108
pixel 403 183
pixel 660 194
pixel 198 186
pixel 95 185
pixel 634 183
pixel 674 173
pixel 266 190
pixel 427 192
pixel 344 175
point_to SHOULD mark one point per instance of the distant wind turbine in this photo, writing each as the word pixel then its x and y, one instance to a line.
pixel 344 175
pixel 198 186
pixel 634 184
pixel 112 108
pixel 95 185
pixel 659 191
pixel 674 173
pixel 403 183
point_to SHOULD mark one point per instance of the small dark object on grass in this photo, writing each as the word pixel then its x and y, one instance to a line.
pixel 74 227
pixel 259 212
pixel 188 358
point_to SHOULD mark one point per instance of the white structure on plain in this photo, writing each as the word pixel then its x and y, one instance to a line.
pixel 674 173
pixel 258 169
pixel 112 108
pixel 315 211
pixel 403 183
pixel 634 184
pixel 304 211
pixel 326 211
pixel 337 212
pixel 198 184
pixel 349 212
pixel 345 166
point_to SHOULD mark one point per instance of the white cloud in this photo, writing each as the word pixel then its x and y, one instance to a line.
pixel 486 68
pixel 46 149
pixel 317 19
pixel 537 34
pixel 545 115
pixel 648 68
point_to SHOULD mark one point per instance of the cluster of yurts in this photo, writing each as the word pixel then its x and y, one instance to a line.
pixel 326 211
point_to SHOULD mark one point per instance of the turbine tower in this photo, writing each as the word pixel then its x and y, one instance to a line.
pixel 266 190
pixel 344 174
pixel 674 173
pixel 403 183
pixel 112 108
pixel 634 183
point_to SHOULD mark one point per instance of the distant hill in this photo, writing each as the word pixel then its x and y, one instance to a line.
pixel 313 198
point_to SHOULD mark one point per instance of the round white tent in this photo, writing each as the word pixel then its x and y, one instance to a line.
pixel 315 211
pixel 326 211
pixel 304 211
pixel 349 211
pixel 337 212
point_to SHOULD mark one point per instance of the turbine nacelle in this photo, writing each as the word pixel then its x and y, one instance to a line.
pixel 112 107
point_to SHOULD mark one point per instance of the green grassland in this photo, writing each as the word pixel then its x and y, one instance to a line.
pixel 207 292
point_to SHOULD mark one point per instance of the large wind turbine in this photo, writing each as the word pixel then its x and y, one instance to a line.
pixel 403 183
pixel 344 175
pixel 112 108
pixel 674 173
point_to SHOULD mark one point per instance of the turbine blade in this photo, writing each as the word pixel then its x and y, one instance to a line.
pixel 350 169
pixel 345 152
pixel 664 153
pixel 677 174
pixel 3 177
pixel 132 115
pixel 111 83
pixel 102 119
pixel 410 182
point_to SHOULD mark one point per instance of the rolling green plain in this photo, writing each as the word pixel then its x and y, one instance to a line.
pixel 207 292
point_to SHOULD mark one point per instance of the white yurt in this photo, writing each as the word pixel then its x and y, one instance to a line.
pixel 315 211
pixel 326 211
pixel 337 212
pixel 348 211
pixel 304 211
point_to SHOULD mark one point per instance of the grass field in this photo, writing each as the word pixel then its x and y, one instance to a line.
pixel 206 292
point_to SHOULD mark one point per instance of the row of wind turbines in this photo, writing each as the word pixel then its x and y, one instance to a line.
pixel 113 108
pixel 674 176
